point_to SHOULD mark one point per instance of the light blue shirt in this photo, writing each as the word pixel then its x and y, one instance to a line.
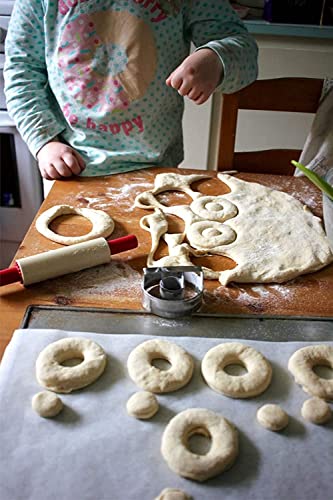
pixel 92 72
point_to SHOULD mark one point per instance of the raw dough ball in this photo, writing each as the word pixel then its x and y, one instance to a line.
pixel 46 404
pixel 142 405
pixel 254 382
pixel 51 373
pixel 272 417
pixel 173 494
pixel 316 410
pixel 103 224
pixel 221 455
pixel 152 379
pixel 301 365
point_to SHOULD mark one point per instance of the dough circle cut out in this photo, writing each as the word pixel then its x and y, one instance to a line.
pixel 150 378
pixel 53 375
pixel 210 234
pixel 272 417
pixel 142 405
pixel 215 208
pixel 175 449
pixel 316 410
pixel 301 365
pixel 173 494
pixel 103 224
pixel 46 404
pixel 252 383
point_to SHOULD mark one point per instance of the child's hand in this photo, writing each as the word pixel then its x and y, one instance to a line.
pixel 198 75
pixel 57 160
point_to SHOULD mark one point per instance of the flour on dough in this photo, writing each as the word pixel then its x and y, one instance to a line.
pixel 270 235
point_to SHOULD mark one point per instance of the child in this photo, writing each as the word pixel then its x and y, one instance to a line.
pixel 96 87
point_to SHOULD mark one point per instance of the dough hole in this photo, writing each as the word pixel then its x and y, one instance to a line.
pixel 173 198
pixel 161 364
pixel 72 361
pixel 323 371
pixel 75 225
pixel 235 369
pixel 199 442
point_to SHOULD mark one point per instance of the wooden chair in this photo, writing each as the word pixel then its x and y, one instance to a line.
pixel 281 94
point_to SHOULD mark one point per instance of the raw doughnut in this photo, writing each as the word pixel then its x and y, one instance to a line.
pixel 46 404
pixel 54 376
pixel 301 366
pixel 101 70
pixel 250 384
pixel 221 455
pixel 173 494
pixel 214 208
pixel 209 234
pixel 102 223
pixel 142 405
pixel 316 410
pixel 272 417
pixel 152 379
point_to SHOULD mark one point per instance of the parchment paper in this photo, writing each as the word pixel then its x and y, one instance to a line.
pixel 94 451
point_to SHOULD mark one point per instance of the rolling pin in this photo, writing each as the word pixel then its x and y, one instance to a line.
pixel 70 259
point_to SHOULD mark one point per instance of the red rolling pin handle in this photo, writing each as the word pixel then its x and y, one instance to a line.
pixel 118 245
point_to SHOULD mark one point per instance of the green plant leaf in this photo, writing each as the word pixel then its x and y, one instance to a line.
pixel 315 178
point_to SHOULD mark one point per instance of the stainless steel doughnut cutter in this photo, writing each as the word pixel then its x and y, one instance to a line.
pixel 172 292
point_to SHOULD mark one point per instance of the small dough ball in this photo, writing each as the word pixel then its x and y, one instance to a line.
pixel 46 404
pixel 316 410
pixel 272 417
pixel 173 494
pixel 142 405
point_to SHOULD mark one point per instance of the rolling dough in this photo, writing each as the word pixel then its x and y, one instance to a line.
pixel 221 455
pixel 173 494
pixel 316 410
pixel 103 224
pixel 47 404
pixel 268 233
pixel 142 405
pixel 272 417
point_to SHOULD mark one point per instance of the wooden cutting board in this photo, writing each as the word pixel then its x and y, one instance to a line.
pixel 119 285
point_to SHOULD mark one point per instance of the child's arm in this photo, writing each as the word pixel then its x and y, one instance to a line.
pixel 57 160
pixel 226 55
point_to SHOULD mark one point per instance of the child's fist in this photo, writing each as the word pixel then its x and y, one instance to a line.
pixel 57 160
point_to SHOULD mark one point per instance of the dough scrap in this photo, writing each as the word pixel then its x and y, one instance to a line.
pixel 51 373
pixel 316 411
pixel 173 494
pixel 272 238
pixel 301 365
pixel 142 405
pixel 252 383
pixel 47 404
pixel 103 224
pixel 272 417
pixel 221 455
pixel 151 378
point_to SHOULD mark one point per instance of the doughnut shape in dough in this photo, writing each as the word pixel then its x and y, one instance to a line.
pixel 221 455
pixel 47 404
pixel 316 410
pixel 54 376
pixel 301 365
pixel 215 208
pixel 142 405
pixel 102 223
pixel 209 234
pixel 173 494
pixel 272 417
pixel 248 385
pixel 152 379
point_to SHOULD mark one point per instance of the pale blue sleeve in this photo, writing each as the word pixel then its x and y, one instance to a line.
pixel 30 101
pixel 214 24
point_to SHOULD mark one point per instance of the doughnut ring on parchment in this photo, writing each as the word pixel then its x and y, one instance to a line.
pixel 151 378
pixel 90 43
pixel 252 383
pixel 221 455
pixel 214 208
pixel 301 365
pixel 56 377
pixel 209 234
pixel 103 224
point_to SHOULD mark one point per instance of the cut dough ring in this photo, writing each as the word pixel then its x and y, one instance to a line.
pixel 52 375
pixel 301 366
pixel 103 224
pixel 152 379
pixel 221 455
pixel 216 208
pixel 210 234
pixel 253 383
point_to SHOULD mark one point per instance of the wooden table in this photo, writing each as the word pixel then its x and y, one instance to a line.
pixel 117 285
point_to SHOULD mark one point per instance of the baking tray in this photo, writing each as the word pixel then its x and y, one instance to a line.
pixel 121 321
